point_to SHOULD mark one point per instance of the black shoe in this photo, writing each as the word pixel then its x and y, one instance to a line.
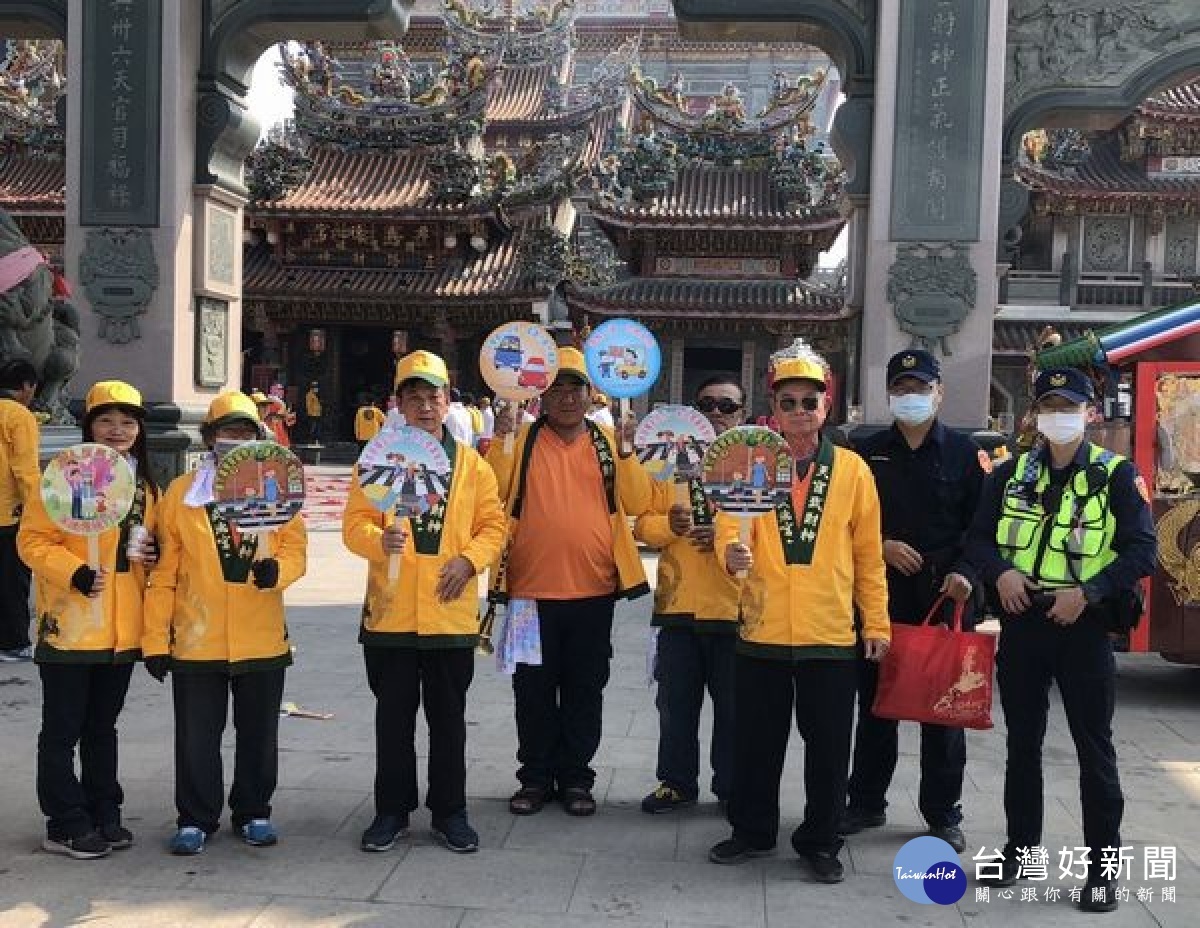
pixel 951 834
pixel 454 833
pixel 117 836
pixel 84 847
pixel 1009 869
pixel 855 820
pixel 383 833
pixel 1099 897
pixel 666 799
pixel 736 851
pixel 826 866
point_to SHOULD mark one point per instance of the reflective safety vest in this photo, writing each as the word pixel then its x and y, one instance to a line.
pixel 1067 547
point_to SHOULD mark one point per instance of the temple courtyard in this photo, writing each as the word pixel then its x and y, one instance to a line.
pixel 620 868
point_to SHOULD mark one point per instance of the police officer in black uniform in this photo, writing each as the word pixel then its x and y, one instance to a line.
pixel 1062 538
pixel 929 479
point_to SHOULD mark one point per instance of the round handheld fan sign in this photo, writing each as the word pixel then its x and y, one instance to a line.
pixel 519 361
pixel 671 442
pixel 259 486
pixel 405 471
pixel 623 360
pixel 748 471
pixel 88 489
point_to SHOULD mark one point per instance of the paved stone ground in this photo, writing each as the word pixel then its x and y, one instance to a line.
pixel 619 869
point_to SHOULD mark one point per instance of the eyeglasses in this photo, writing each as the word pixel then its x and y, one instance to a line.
pixel 724 405
pixel 808 403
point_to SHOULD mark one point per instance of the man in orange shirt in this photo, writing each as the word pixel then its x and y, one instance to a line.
pixel 569 495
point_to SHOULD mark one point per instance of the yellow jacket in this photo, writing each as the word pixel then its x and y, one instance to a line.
pixel 630 494
pixel 692 591
pixel 19 473
pixel 793 611
pixel 66 628
pixel 406 612
pixel 312 404
pixel 205 611
pixel 367 422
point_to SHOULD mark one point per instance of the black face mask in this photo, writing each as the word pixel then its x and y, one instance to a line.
pixel 724 405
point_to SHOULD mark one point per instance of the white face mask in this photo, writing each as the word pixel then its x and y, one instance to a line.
pixel 912 408
pixel 1061 428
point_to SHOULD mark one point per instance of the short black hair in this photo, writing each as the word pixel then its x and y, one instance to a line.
pixel 469 399
pixel 17 373
pixel 723 380
pixel 455 395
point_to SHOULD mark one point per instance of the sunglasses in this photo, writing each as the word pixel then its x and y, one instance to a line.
pixel 807 403
pixel 724 405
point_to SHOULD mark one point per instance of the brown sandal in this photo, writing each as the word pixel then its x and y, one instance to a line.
pixel 528 800
pixel 577 800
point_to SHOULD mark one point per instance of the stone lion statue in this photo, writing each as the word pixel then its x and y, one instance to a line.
pixel 36 321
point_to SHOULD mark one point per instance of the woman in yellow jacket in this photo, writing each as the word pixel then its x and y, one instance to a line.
pixel 419 631
pixel 215 620
pixel 85 653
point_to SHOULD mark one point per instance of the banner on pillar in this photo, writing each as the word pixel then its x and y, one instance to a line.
pixel 940 89
pixel 122 74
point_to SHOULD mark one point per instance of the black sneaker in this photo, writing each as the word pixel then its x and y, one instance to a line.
pixel 383 832
pixel 736 851
pixel 855 820
pixel 455 834
pixel 117 836
pixel 84 847
pixel 826 866
pixel 952 835
pixel 666 799
pixel 1099 897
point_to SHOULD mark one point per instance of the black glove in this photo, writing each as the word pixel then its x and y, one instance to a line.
pixel 266 573
pixel 84 579
pixel 158 666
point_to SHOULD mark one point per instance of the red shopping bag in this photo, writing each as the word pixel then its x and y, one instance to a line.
pixel 938 674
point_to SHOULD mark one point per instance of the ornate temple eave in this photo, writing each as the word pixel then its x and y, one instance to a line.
pixel 807 230
pixel 721 299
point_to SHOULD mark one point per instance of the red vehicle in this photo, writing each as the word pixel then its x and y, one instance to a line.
pixel 534 374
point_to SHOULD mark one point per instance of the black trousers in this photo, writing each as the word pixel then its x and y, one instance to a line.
pixel 14 593
pixel 821 692
pixel 403 679
pixel 687 663
pixel 201 707
pixel 560 704
pixel 876 748
pixel 80 705
pixel 1033 653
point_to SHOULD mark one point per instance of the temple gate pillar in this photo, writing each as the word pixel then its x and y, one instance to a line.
pixel 931 237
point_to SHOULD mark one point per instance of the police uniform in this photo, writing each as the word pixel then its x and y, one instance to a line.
pixel 1083 525
pixel 927 498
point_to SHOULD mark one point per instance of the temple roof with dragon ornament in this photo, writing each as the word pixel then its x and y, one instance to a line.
pixel 1148 165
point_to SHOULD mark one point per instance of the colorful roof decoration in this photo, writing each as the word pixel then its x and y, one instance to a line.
pixel 665 297
pixel 31 83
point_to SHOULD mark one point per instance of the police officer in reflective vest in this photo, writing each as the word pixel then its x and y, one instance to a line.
pixel 929 478
pixel 1062 537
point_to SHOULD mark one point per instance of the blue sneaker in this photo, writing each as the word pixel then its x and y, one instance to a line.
pixel 259 832
pixel 188 840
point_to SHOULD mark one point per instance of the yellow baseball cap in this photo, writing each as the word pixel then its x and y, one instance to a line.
pixel 231 407
pixel 571 361
pixel 113 393
pixel 798 369
pixel 423 365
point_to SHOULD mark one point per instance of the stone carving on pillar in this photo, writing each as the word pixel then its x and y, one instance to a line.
pixel 1014 204
pixel 933 288
pixel 119 273
pixel 212 339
